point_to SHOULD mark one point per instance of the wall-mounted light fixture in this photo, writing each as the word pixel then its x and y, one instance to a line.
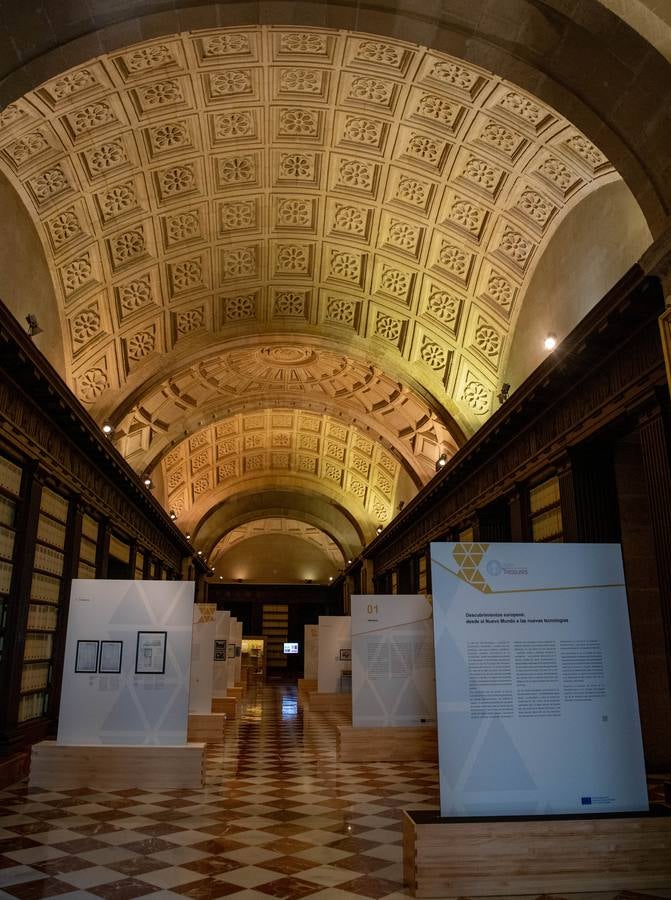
pixel 108 428
pixel 146 481
pixel 33 327
pixel 173 514
pixel 550 341
pixel 378 530
pixel 504 392
pixel 441 462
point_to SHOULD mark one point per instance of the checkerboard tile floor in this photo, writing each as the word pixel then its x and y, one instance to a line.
pixel 278 817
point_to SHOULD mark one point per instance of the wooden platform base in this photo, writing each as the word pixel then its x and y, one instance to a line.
pixel 206 728
pixel 14 768
pixel 340 703
pixel 305 685
pixel 227 705
pixel 57 766
pixel 452 858
pixel 392 744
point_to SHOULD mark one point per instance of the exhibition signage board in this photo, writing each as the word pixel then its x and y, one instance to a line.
pixel 393 672
pixel 311 651
pixel 238 652
pixel 220 653
pixel 335 655
pixel 230 652
pixel 202 663
pixel 127 663
pixel 535 683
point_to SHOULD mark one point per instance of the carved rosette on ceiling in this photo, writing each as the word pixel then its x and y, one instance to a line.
pixel 313 380
pixel 259 181
pixel 270 448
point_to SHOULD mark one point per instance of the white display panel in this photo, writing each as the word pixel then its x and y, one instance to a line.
pixel 335 654
pixel 230 652
pixel 537 704
pixel 310 651
pixel 238 652
pixel 393 672
pixel 135 691
pixel 202 663
pixel 220 654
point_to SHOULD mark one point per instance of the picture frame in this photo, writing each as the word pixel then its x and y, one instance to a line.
pixel 150 652
pixel 86 657
pixel 219 650
pixel 345 654
pixel 111 654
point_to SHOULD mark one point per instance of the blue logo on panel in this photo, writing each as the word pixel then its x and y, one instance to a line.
pixel 586 801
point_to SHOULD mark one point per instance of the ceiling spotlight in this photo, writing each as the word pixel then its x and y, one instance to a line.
pixel 107 428
pixel 221 578
pixel 200 553
pixel 173 514
pixel 188 537
pixel 349 562
pixel 146 481
pixel 379 529
pixel 441 462
pixel 550 341
pixel 33 327
pixel 330 577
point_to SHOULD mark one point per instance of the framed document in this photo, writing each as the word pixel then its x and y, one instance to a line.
pixel 150 654
pixel 110 657
pixel 86 660
pixel 345 654
pixel 219 650
pixel 231 651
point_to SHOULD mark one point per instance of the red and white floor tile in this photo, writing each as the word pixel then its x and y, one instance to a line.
pixel 278 817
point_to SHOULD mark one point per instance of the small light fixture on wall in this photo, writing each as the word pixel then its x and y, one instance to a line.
pixel 504 392
pixel 550 341
pixel 173 514
pixel 441 462
pixel 33 327
pixel 378 530
pixel 108 428
pixel 146 481
pixel 188 537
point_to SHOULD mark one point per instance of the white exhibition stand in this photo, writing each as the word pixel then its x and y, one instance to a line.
pixel 204 725
pixel 125 690
pixel 542 778
pixel 393 681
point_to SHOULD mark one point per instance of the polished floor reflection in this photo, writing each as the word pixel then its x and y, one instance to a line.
pixel 278 817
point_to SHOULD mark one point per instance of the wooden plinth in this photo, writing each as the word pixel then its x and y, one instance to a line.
pixel 305 686
pixel 227 705
pixel 59 766
pixel 452 858
pixel 206 728
pixel 14 768
pixel 340 703
pixel 392 744
pixel 235 692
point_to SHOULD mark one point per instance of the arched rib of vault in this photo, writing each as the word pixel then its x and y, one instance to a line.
pixel 319 454
pixel 310 507
pixel 268 529
pixel 598 72
pixel 274 443
pixel 320 378
pixel 234 182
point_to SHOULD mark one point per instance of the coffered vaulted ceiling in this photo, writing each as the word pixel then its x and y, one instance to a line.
pixel 255 224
